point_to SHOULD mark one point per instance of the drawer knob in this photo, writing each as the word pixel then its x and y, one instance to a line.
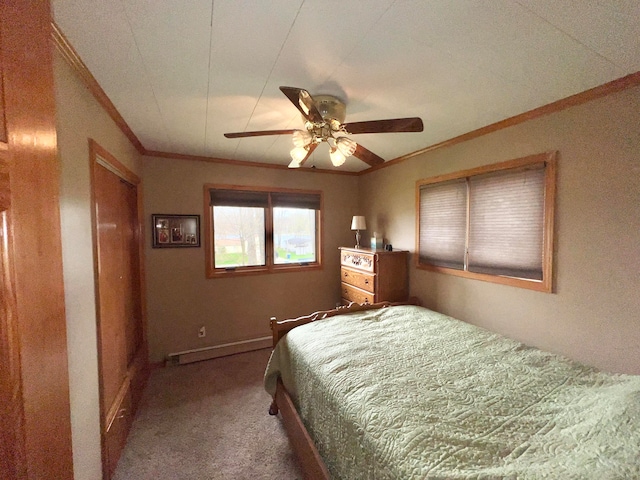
pixel 366 281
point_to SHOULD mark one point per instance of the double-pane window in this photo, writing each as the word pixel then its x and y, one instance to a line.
pixel 494 223
pixel 259 230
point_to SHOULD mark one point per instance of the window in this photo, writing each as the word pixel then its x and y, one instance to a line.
pixel 251 230
pixel 493 223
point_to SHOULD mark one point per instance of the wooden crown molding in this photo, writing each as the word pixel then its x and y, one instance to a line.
pixel 71 56
pixel 74 60
pixel 600 91
pixel 242 163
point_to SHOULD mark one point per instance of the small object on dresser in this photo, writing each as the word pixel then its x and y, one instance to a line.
pixel 388 247
pixel 376 241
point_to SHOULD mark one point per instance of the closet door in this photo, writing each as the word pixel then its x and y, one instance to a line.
pixel 121 340
pixel 113 280
pixel 131 280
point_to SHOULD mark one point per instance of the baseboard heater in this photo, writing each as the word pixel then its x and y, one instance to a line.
pixel 215 351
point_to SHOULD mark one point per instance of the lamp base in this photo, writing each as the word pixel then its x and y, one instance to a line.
pixel 358 236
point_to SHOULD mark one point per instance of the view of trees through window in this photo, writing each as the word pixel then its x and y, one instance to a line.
pixel 239 236
pixel 294 235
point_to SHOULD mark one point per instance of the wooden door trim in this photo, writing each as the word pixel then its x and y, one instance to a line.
pixel 35 234
pixel 110 162
pixel 12 444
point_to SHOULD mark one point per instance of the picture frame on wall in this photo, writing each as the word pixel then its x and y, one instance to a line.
pixel 170 231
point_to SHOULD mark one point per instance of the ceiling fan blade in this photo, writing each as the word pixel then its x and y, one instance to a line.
pixel 312 147
pixel 412 124
pixel 259 133
pixel 367 156
pixel 303 101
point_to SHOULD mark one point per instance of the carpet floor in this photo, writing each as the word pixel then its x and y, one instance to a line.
pixel 208 420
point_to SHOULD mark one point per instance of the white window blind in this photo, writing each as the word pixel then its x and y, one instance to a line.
pixel 443 224
pixel 506 220
pixel 490 222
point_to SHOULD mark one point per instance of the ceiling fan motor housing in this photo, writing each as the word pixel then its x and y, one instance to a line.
pixel 331 108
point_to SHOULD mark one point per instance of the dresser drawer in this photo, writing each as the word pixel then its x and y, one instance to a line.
pixel 366 281
pixel 353 294
pixel 360 260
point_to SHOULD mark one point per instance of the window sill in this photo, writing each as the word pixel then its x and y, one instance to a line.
pixel 246 271
pixel 537 285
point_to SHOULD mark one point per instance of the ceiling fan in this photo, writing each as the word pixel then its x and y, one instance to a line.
pixel 324 122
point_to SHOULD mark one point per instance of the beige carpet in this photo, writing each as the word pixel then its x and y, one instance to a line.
pixel 208 420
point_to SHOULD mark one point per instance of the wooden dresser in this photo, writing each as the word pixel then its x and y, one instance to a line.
pixel 371 276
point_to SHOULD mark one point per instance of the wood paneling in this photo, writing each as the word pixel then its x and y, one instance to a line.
pixel 12 461
pixel 37 329
pixel 3 120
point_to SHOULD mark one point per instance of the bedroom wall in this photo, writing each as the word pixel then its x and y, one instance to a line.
pixel 234 309
pixel 79 117
pixel 594 314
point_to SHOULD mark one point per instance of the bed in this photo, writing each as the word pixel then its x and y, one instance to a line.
pixel 402 392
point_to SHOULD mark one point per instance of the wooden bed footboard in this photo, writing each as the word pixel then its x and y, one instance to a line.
pixel 279 328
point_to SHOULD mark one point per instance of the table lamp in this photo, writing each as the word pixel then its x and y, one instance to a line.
pixel 358 223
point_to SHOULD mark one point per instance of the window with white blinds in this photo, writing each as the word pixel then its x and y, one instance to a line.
pixel 492 223
pixel 443 224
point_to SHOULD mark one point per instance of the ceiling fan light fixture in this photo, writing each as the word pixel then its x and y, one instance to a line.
pixel 323 118
pixel 337 157
pixel 346 146
pixel 298 154
pixel 302 138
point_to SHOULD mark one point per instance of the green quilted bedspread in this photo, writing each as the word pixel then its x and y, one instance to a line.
pixel 407 393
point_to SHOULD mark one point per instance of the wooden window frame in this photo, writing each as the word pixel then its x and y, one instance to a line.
pixel 270 266
pixel 549 160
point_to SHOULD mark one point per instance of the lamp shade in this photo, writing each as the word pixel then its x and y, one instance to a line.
pixel 297 155
pixel 302 138
pixel 346 146
pixel 358 223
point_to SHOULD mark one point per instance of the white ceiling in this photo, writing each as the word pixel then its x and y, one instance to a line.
pixel 183 72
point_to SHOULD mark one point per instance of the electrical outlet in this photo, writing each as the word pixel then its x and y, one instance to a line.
pixel 202 332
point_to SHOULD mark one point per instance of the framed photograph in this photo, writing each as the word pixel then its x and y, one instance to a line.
pixel 175 230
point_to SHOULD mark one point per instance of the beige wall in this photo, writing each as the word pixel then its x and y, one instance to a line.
pixel 594 314
pixel 80 117
pixel 180 298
